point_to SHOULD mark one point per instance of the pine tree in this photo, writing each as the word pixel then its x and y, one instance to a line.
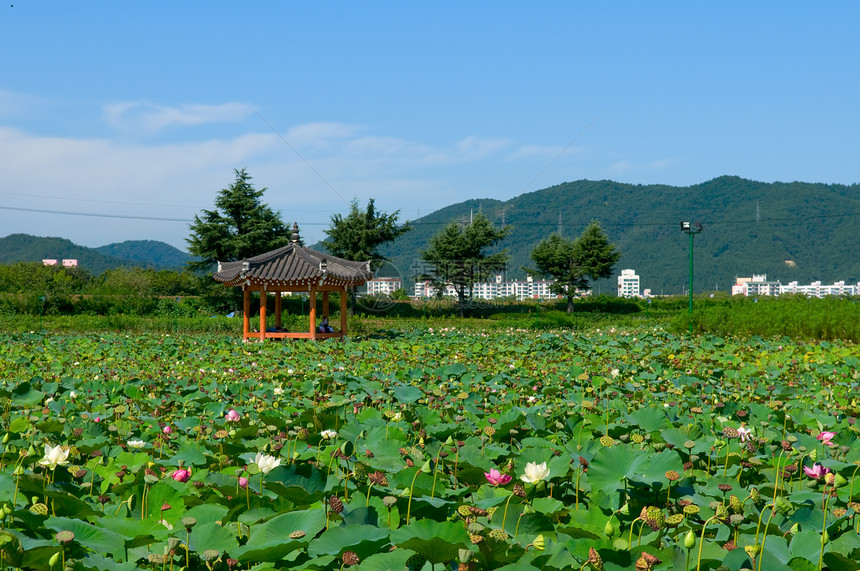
pixel 572 262
pixel 457 256
pixel 240 226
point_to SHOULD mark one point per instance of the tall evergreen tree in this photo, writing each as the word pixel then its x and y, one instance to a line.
pixel 240 226
pixel 457 255
pixel 572 262
pixel 358 235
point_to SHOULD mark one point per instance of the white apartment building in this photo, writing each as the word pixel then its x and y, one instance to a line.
pixel 628 284
pixel 529 288
pixel 384 286
pixel 759 285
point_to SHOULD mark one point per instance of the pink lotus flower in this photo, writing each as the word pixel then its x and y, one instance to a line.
pixel 496 478
pixel 232 416
pixel 817 471
pixel 243 482
pixel 181 475
pixel 826 437
pixel 167 429
pixel 744 434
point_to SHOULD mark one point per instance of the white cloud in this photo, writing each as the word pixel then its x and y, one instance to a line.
pixel 148 118
pixel 14 105
pixel 177 180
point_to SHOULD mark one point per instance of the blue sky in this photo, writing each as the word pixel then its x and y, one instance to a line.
pixel 127 109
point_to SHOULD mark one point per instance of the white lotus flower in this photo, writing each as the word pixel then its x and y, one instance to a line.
pixel 55 456
pixel 328 434
pixel 266 462
pixel 136 443
pixel 535 472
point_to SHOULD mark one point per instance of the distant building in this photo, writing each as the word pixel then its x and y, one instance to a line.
pixel 53 262
pixel 628 284
pixel 756 285
pixel 759 285
pixel 521 290
pixel 384 286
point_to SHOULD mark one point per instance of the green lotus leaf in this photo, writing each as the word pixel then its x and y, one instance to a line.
pixel 270 540
pixel 390 561
pixel 807 545
pixel 211 536
pixel 100 540
pixel 364 540
pixel 96 562
pixel 437 541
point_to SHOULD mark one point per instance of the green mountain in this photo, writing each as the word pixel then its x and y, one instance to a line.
pixel 789 231
pixel 146 253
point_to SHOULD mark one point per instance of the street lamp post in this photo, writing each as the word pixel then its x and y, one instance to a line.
pixel 691 229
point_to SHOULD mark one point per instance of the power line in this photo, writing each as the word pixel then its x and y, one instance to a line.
pixel 428 223
pixel 298 154
pixel 120 216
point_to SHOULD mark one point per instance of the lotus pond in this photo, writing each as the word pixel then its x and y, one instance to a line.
pixel 515 450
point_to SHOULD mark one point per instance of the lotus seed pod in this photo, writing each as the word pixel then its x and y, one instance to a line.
pixel 813 454
pixel 752 550
pixel 189 522
pixel 829 478
pixel 539 543
pixel 782 505
pixel 498 534
pixel 39 509
pixel 350 558
pixel 210 555
pixel 464 555
pixel 64 537
pixel 690 540
pixel 464 511
pixel 608 529
pixel 839 480
pixel 475 528
pixel 621 543
pixel 794 529
pixel 674 520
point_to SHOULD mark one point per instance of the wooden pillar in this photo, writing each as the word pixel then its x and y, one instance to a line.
pixel 343 315
pixel 278 309
pixel 313 313
pixel 325 304
pixel 246 313
pixel 263 315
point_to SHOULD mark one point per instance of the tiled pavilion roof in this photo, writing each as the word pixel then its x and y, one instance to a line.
pixel 293 266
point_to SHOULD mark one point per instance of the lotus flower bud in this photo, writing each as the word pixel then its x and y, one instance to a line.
pixel 608 529
pixel 690 540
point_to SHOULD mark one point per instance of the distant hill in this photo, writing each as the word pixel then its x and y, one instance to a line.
pixel 145 253
pixel 150 253
pixel 749 227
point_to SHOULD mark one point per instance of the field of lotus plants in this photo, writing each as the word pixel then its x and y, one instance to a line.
pixel 515 450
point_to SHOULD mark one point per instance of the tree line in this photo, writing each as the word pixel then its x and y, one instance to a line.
pixel 242 225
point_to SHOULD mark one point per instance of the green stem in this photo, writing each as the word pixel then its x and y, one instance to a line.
pixel 823 527
pixel 411 487
pixel 505 513
pixel 702 542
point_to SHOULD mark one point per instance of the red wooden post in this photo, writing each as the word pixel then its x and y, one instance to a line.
pixel 262 315
pixel 246 312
